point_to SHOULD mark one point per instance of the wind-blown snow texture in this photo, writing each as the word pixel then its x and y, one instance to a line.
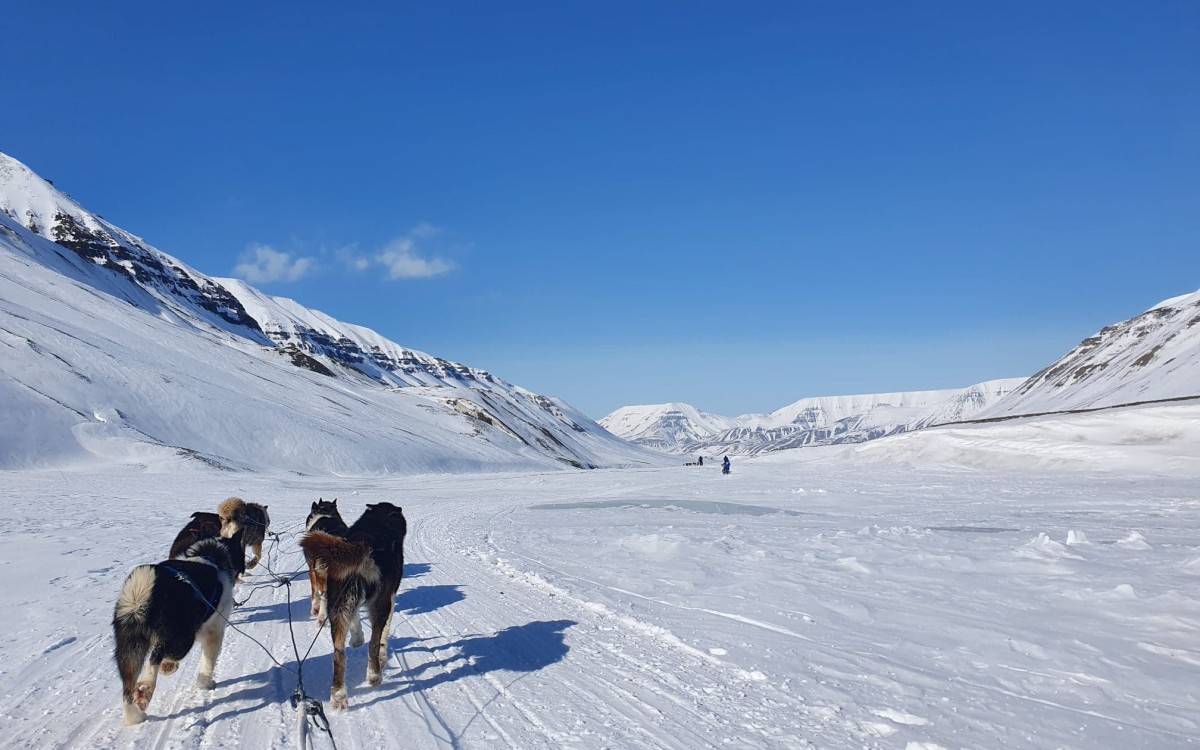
pixel 830 420
pixel 1026 584
pixel 113 351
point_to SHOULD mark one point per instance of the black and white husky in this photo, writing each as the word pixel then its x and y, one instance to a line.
pixel 163 609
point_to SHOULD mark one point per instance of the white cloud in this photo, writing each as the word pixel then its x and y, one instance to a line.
pixel 403 258
pixel 262 263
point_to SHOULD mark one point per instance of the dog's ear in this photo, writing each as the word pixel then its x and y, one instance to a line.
pixel 314 505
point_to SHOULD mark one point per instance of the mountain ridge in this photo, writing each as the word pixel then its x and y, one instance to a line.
pixel 116 350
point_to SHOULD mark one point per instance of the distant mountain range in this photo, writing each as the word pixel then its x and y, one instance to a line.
pixel 113 351
pixel 1152 357
pixel 811 421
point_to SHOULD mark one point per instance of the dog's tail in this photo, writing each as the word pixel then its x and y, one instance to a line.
pixel 130 632
pixel 333 554
pixel 233 514
pixel 134 601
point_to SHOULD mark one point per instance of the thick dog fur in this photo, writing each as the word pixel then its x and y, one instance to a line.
pixel 325 517
pixel 251 518
pixel 365 567
pixel 164 609
pixel 202 526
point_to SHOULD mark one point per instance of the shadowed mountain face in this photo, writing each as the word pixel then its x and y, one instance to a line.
pixel 110 344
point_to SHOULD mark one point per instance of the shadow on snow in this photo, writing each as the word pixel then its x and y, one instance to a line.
pixel 416 601
pixel 520 649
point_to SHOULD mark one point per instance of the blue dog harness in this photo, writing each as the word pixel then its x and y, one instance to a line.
pixel 179 574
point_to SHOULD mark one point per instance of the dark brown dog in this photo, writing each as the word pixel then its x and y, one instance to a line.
pixel 202 526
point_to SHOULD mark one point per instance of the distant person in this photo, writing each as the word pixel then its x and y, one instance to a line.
pixel 701 461
pixel 725 465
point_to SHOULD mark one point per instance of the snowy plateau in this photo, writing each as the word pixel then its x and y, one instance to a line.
pixel 1004 582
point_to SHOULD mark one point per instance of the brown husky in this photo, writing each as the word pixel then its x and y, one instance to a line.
pixel 365 567
pixel 236 514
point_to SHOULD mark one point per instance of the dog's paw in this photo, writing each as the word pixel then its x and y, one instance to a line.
pixel 339 700
pixel 205 683
pixel 142 695
pixel 250 564
pixel 168 667
pixel 356 639
pixel 374 678
pixel 133 714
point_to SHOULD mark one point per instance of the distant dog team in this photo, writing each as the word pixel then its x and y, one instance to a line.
pixel 165 608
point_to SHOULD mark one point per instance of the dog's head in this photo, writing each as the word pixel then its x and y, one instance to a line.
pixel 322 509
pixel 257 515
pixel 390 515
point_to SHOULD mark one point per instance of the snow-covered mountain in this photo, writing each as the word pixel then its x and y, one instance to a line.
pixel 111 349
pixel 1151 357
pixel 1154 356
pixel 826 420
pixel 665 427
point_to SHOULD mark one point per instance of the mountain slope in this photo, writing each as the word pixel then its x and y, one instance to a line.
pixel 1152 356
pixel 111 350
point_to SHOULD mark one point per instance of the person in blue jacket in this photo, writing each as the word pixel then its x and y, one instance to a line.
pixel 725 465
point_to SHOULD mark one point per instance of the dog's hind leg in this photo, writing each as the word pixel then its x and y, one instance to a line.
pixel 132 649
pixel 320 596
pixel 144 690
pixel 381 610
pixel 211 635
pixel 338 624
pixel 257 547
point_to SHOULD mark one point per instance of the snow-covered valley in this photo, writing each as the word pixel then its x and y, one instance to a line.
pixel 1028 584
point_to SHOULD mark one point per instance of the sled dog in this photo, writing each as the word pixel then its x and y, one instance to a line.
pixel 364 567
pixel 236 514
pixel 202 526
pixel 164 609
pixel 324 516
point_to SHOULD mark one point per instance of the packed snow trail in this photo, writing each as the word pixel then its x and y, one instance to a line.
pixel 785 606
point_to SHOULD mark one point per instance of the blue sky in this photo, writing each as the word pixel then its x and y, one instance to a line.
pixel 736 205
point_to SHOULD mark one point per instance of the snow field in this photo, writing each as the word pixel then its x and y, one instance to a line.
pixel 816 602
